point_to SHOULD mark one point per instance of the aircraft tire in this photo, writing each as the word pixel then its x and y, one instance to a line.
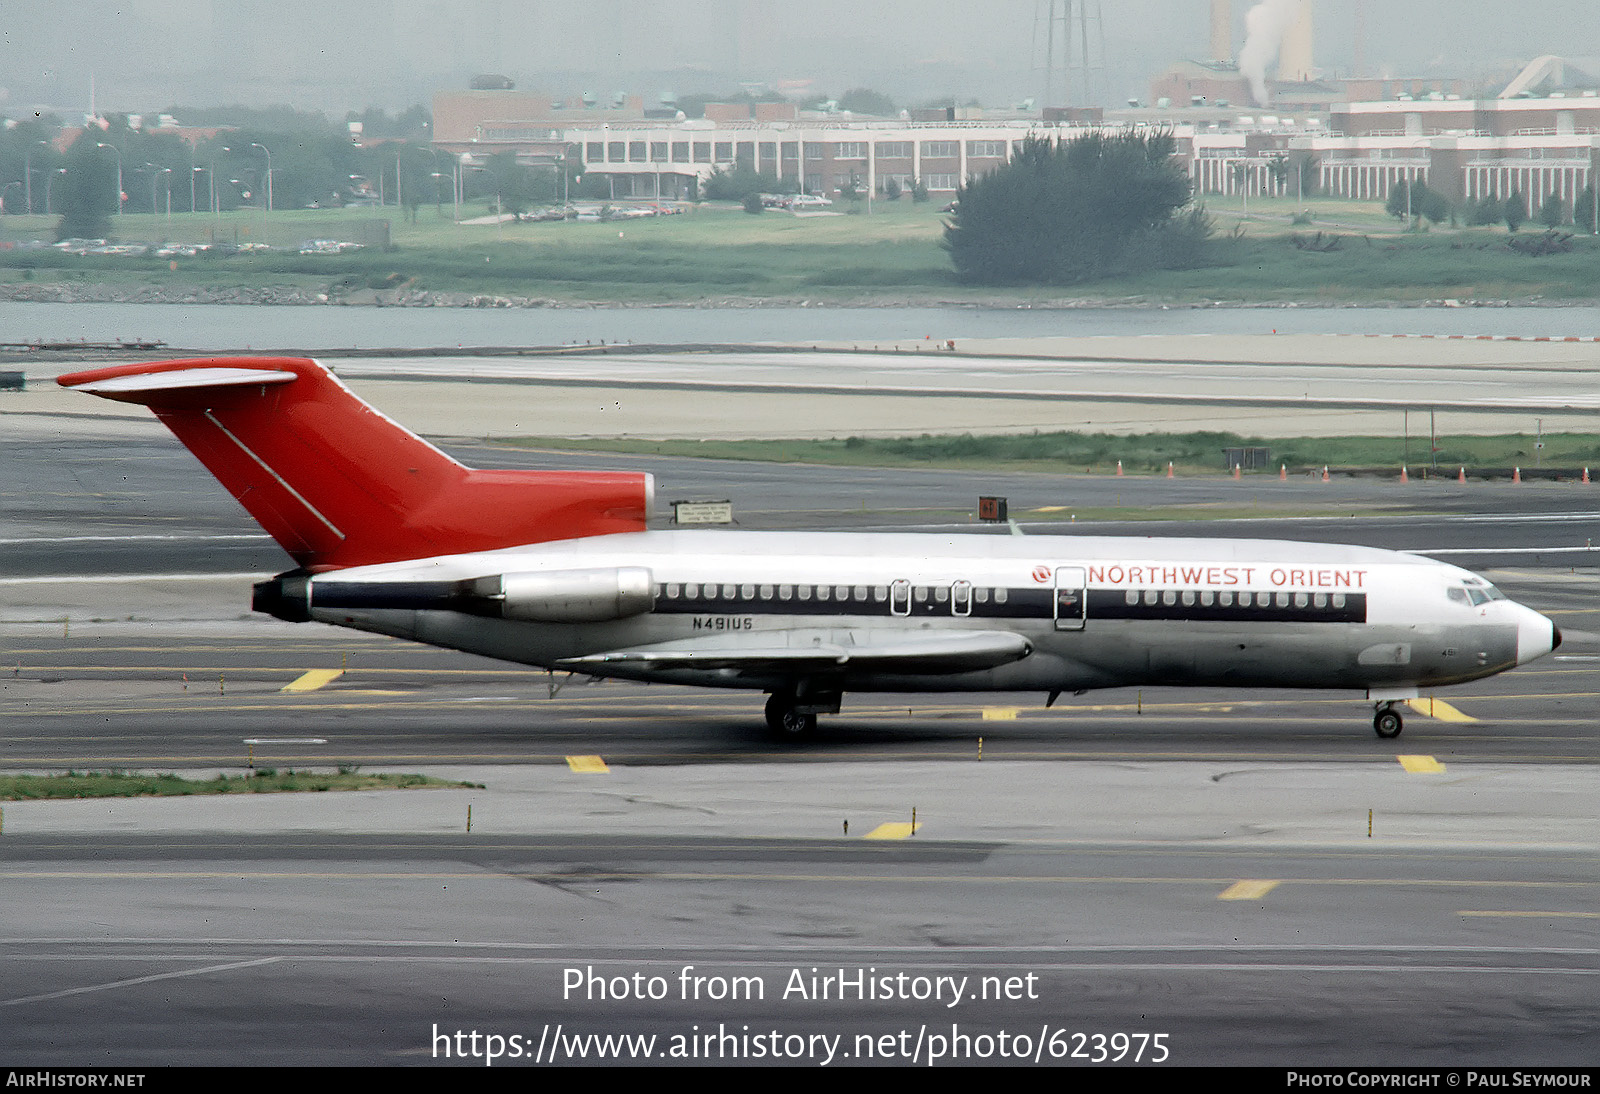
pixel 786 721
pixel 1387 723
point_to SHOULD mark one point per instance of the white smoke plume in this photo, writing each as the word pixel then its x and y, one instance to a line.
pixel 1265 25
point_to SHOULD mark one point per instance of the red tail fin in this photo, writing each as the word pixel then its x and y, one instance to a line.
pixel 338 484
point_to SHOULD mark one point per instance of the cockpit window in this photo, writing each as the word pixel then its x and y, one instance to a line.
pixel 1478 591
pixel 1458 594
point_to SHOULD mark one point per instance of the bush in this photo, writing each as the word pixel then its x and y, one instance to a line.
pixel 1057 214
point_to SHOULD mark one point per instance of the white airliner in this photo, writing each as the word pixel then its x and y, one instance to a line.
pixel 557 569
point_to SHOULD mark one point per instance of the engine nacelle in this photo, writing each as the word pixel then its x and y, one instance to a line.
pixel 569 596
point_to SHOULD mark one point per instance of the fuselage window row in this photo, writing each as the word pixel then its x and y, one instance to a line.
pixel 966 600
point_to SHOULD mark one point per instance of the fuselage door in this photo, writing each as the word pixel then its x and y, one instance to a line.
pixel 1071 601
pixel 900 598
pixel 961 598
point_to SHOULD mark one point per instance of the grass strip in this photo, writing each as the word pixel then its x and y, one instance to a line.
pixel 1144 453
pixel 121 784
pixel 893 256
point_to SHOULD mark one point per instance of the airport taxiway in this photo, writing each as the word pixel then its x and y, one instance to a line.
pixel 1255 877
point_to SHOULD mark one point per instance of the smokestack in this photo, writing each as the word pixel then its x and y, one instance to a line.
pixel 1222 30
pixel 1294 56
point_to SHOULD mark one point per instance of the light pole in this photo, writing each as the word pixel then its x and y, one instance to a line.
pixel 216 207
pixel 167 171
pixel 118 152
pixel 27 173
pixel 49 182
pixel 263 148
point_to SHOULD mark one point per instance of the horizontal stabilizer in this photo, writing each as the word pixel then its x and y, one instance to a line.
pixel 178 379
pixel 881 651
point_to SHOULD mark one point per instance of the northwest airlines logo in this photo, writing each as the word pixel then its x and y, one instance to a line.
pixel 1276 577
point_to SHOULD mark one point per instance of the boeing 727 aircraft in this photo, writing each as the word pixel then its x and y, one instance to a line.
pixel 558 570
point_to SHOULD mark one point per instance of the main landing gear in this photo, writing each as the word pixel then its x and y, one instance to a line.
pixel 1387 722
pixel 792 712
pixel 786 719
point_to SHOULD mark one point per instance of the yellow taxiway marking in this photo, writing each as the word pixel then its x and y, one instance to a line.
pixel 311 681
pixel 893 830
pixel 1248 890
pixel 1000 714
pixel 1421 765
pixel 1533 915
pixel 1438 708
pixel 588 765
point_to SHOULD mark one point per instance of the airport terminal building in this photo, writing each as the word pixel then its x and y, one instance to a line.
pixel 1466 149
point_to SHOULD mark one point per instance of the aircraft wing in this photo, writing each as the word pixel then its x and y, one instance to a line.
pixel 880 651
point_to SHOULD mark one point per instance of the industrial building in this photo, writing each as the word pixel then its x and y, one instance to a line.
pixel 1355 136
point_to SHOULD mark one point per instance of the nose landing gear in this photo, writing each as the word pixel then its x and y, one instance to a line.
pixel 1387 722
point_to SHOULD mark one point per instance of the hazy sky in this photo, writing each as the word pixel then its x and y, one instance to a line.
pixel 334 55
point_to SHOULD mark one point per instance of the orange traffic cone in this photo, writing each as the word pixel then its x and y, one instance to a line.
pixel 1403 476
pixel 1119 467
pixel 1462 477
pixel 1236 471
pixel 1169 471
pixel 1516 474
pixel 1324 472
pixel 1585 474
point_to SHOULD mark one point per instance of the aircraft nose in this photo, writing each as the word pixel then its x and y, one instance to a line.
pixel 1536 636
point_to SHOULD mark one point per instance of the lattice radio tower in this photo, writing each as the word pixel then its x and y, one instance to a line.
pixel 1069 44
